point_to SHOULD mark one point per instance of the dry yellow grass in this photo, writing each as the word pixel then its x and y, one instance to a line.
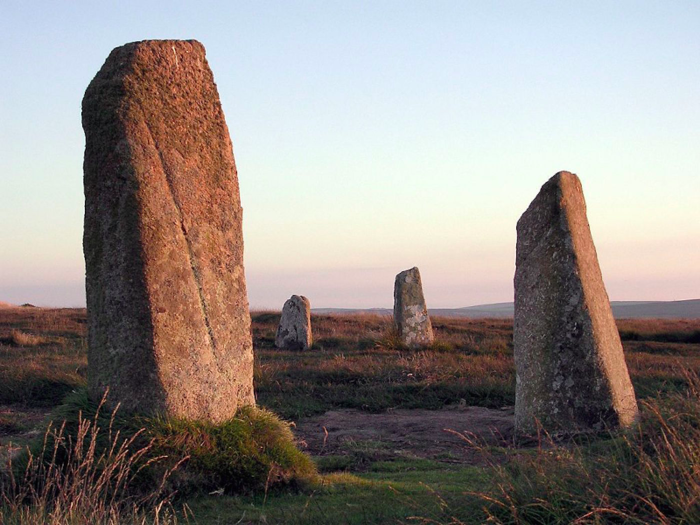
pixel 20 338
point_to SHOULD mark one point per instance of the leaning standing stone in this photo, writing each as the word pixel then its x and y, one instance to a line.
pixel 168 320
pixel 570 369
pixel 410 312
pixel 294 331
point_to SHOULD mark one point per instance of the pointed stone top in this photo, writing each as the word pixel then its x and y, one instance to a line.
pixel 562 182
pixel 409 276
pixel 566 183
pixel 559 202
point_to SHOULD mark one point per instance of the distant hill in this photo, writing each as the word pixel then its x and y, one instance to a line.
pixel 689 309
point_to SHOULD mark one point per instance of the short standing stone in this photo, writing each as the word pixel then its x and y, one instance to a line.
pixel 294 331
pixel 168 320
pixel 410 312
pixel 570 369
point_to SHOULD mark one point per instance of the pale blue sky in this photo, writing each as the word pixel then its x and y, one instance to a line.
pixel 371 137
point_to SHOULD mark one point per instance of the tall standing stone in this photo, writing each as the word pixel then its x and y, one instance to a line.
pixel 168 320
pixel 410 312
pixel 294 331
pixel 570 369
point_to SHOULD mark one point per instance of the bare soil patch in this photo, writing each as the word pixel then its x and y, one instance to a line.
pixel 429 434
pixel 18 426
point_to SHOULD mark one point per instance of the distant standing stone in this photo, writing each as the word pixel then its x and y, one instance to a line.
pixel 168 320
pixel 294 331
pixel 570 369
pixel 410 312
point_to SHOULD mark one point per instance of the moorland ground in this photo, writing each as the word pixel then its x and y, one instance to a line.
pixel 412 435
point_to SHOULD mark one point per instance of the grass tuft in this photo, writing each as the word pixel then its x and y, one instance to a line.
pixel 84 473
pixel 649 475
pixel 20 338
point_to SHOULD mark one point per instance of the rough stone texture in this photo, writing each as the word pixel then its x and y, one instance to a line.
pixel 571 373
pixel 168 320
pixel 410 313
pixel 294 331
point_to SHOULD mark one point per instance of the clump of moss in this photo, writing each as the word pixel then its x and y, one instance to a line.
pixel 251 452
pixel 254 451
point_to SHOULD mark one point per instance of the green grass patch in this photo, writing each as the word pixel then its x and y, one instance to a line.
pixel 335 463
pixel 392 493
